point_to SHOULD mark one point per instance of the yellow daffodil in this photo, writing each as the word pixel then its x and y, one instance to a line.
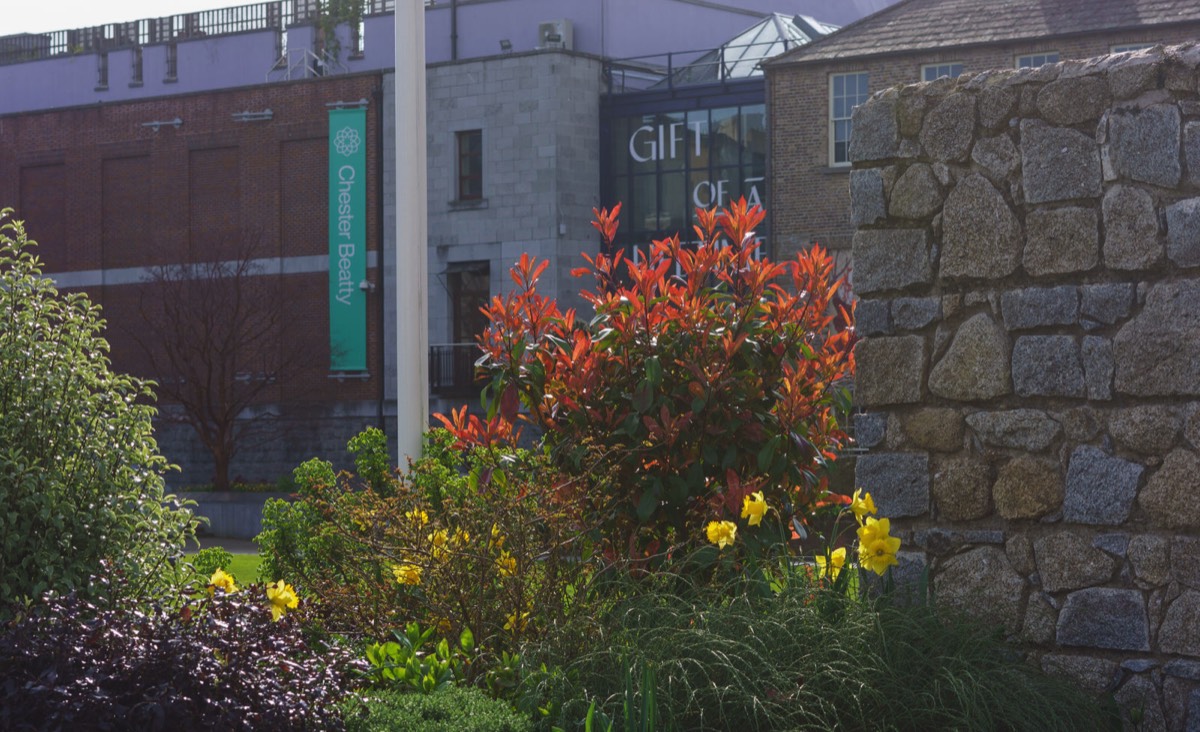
pixel 862 505
pixel 437 543
pixel 221 579
pixel 832 566
pixel 754 506
pixel 506 565
pixel 876 549
pixel 281 597
pixel 407 573
pixel 417 516
pixel 517 622
pixel 722 533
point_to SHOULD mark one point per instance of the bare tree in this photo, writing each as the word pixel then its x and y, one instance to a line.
pixel 215 339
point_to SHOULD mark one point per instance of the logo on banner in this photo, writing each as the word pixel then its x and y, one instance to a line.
pixel 347 141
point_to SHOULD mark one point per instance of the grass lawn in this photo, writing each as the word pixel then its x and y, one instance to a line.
pixel 244 568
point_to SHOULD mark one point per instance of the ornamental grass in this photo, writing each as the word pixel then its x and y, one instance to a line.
pixel 741 656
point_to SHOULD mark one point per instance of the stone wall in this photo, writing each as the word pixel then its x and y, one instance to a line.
pixel 1027 259
pixel 808 199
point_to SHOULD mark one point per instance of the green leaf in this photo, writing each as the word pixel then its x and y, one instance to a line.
pixel 766 455
pixel 730 457
pixel 654 372
pixel 648 503
pixel 466 640
pixel 677 491
pixel 643 396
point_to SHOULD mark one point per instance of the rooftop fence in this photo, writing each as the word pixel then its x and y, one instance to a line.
pixel 275 15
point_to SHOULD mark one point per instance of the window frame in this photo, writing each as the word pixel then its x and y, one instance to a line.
pixel 136 67
pixel 102 71
pixel 1045 54
pixel 171 73
pixel 832 120
pixel 925 68
pixel 461 153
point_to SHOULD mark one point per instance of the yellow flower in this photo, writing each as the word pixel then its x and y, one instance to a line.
pixel 407 573
pixel 506 565
pixel 862 505
pixel 438 541
pixel 722 533
pixel 417 516
pixel 753 508
pixel 281 597
pixel 497 540
pixel 461 537
pixel 876 549
pixel 517 622
pixel 832 566
pixel 221 579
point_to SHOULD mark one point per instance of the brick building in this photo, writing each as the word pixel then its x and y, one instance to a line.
pixel 114 191
pixel 157 142
pixel 812 90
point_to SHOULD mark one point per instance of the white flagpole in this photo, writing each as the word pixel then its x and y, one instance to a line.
pixel 412 280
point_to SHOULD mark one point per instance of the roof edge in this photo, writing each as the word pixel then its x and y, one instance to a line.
pixel 785 58
pixel 775 63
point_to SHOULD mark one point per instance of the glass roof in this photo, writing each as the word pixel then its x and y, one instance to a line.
pixel 741 56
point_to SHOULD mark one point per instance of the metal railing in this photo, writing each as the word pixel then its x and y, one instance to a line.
pixel 301 63
pixel 686 68
pixel 275 15
pixel 452 369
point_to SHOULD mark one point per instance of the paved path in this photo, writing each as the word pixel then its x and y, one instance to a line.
pixel 233 546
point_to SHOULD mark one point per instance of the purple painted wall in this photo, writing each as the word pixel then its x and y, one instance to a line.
pixel 618 28
pixel 612 28
pixel 211 63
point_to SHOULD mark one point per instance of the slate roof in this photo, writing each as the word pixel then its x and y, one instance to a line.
pixel 917 25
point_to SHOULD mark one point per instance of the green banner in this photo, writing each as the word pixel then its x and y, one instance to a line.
pixel 347 239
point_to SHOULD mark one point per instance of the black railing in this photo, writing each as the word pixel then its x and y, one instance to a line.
pixel 452 369
pixel 686 68
pixel 276 15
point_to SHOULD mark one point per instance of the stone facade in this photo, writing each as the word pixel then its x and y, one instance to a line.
pixel 539 115
pixel 1030 375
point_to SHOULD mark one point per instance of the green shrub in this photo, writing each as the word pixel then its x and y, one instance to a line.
pixel 210 560
pixel 371 458
pixel 478 540
pixel 453 709
pixel 81 479
pixel 296 541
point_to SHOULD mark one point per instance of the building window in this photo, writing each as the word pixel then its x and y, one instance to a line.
pixel 102 71
pixel 1034 60
pixel 358 32
pixel 470 165
pixel 1126 47
pixel 930 72
pixel 135 78
pixel 846 91
pixel 172 62
pixel 470 289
